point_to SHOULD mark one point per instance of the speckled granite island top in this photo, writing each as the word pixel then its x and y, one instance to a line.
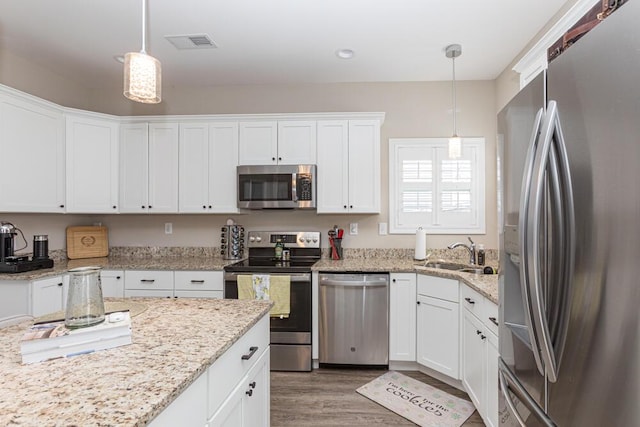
pixel 174 341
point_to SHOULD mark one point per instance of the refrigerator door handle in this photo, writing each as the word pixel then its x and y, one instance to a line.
pixel 509 383
pixel 561 188
pixel 525 264
pixel 565 257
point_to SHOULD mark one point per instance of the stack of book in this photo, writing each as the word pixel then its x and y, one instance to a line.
pixel 52 340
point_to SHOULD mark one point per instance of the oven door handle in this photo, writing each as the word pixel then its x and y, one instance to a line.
pixel 295 277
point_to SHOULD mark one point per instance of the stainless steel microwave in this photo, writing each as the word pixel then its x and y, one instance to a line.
pixel 277 187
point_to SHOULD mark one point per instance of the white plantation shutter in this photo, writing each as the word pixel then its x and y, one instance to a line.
pixel 429 190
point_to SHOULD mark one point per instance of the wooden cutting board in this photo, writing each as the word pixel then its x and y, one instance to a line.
pixel 87 242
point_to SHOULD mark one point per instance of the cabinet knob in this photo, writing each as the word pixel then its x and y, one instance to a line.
pixel 60 284
pixel 143 206
pixel 418 303
pixel 393 280
pixel 150 206
pixel 483 337
pixel 209 206
pixel 62 206
pixel 204 207
pixel 345 206
pixel 114 207
pixel 469 300
pixel 273 158
pixel 252 384
pixel 350 206
pixel 478 332
pixel 117 277
pixel 279 158
pixel 249 393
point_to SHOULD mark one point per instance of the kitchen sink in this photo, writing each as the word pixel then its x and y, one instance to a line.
pixel 446 265
pixel 452 266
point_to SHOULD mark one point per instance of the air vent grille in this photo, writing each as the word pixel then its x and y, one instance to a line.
pixel 192 41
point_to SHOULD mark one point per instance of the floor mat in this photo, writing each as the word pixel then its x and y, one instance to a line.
pixel 418 402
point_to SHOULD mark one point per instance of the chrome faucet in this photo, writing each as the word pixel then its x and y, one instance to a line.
pixel 471 248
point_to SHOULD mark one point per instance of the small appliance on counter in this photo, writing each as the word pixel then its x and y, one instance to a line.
pixel 232 241
pixel 12 263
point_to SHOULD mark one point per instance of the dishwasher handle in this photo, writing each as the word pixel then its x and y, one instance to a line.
pixel 354 284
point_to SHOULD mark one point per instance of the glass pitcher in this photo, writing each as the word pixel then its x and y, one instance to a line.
pixel 85 305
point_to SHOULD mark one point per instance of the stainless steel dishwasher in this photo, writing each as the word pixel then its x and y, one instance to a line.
pixel 354 319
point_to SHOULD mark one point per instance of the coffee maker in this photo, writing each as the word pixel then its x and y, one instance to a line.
pixel 12 263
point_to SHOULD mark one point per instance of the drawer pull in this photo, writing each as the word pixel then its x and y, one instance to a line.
pixel 469 300
pixel 147 280
pixel 494 321
pixel 252 351
pixel 248 392
pixel 197 281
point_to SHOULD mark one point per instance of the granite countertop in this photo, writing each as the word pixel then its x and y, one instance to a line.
pixel 487 284
pixel 186 263
pixel 174 341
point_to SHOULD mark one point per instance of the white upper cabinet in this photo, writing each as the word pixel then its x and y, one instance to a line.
pixel 149 168
pixel 297 142
pixel 348 166
pixel 208 160
pixel 32 140
pixel 285 142
pixel 163 167
pixel 92 164
pixel 258 144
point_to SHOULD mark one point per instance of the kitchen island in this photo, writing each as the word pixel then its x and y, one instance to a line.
pixel 175 341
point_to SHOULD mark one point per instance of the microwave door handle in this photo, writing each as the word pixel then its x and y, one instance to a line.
pixel 294 190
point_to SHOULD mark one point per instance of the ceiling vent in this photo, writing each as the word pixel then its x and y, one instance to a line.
pixel 192 41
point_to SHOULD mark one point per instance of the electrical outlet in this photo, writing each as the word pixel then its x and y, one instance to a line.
pixel 353 228
pixel 168 228
pixel 382 228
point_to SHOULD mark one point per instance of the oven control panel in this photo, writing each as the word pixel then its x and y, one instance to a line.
pixel 291 239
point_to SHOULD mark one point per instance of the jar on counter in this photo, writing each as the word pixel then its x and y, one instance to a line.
pixel 85 305
pixel 481 254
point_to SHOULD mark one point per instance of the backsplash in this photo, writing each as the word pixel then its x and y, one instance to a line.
pixel 453 255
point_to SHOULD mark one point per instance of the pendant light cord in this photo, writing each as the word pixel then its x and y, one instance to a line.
pixel 144 27
pixel 453 84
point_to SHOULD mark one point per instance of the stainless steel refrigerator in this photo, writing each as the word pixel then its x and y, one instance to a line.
pixel 569 195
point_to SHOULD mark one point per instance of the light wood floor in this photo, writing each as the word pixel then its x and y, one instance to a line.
pixel 327 397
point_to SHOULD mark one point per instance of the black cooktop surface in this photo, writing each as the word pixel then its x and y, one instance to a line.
pixel 271 264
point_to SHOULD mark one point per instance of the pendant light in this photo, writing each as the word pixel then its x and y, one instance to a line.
pixel 455 142
pixel 142 73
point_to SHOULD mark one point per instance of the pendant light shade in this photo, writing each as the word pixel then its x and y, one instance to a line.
pixel 142 72
pixel 455 142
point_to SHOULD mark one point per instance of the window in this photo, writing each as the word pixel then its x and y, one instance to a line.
pixel 429 190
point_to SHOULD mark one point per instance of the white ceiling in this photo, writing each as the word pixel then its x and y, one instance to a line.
pixel 275 41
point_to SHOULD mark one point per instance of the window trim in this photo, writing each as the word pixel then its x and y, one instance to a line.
pixel 480 186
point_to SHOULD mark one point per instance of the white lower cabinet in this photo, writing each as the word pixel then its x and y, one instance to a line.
pixel 48 295
pixel 480 353
pixel 233 392
pixel 148 283
pixel 402 317
pixel 437 325
pixel 112 283
pixel 248 405
pixel 198 284
pixel 491 384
